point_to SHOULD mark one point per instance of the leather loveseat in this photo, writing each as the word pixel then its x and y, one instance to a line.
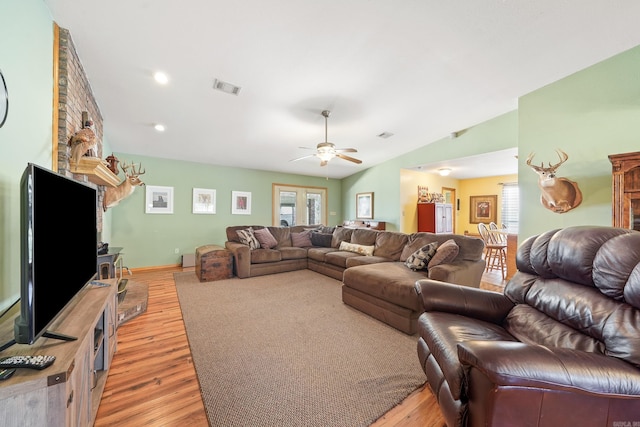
pixel 561 347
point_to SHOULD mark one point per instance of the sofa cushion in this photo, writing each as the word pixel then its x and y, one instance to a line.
pixel 420 258
pixel 363 260
pixel 340 234
pixel 359 249
pixel 282 235
pixel 470 248
pixel 247 237
pixel 259 256
pixel 339 258
pixel 389 281
pixel 266 239
pixel 364 236
pixel 318 254
pixel 446 253
pixel 321 239
pixel 293 253
pixel 302 239
pixel 389 244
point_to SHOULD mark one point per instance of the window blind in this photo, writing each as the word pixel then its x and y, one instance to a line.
pixel 510 206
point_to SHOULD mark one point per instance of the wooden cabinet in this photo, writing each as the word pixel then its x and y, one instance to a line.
pixel 626 190
pixel 435 217
pixel 68 392
pixel 372 225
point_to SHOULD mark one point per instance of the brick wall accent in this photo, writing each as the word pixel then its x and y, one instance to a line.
pixel 75 96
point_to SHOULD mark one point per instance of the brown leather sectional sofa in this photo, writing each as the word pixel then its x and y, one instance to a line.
pixel 380 285
pixel 561 347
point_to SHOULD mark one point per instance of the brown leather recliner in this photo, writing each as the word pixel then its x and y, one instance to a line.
pixel 561 347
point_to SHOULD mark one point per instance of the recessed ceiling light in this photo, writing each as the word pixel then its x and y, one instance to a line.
pixel 385 135
pixel 159 127
pixel 161 78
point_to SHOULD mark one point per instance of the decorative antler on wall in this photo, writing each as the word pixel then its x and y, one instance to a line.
pixel 114 195
pixel 559 194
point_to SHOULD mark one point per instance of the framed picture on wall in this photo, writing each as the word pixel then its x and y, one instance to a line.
pixel 204 201
pixel 159 200
pixel 240 203
pixel 483 209
pixel 364 206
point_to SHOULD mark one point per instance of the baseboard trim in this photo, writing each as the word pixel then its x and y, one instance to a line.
pixel 155 268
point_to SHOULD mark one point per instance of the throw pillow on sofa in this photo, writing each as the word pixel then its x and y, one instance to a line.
pixel 302 239
pixel 247 237
pixel 266 239
pixel 321 239
pixel 446 253
pixel 359 249
pixel 420 258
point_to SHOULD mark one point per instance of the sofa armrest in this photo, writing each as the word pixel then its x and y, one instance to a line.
pixel 471 302
pixel 461 272
pixel 516 364
pixel 241 258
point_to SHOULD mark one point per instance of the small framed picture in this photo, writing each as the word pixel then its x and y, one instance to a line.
pixel 483 209
pixel 204 201
pixel 240 203
pixel 159 200
pixel 364 206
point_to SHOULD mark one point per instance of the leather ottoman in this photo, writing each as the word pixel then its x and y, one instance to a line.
pixel 213 263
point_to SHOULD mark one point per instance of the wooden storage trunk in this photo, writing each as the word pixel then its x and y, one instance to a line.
pixel 213 263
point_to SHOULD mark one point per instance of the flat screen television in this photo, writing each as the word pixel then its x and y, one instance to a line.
pixel 59 243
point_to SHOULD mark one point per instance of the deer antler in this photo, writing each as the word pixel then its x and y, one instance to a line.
pixel 563 158
pixel 137 172
pixel 125 167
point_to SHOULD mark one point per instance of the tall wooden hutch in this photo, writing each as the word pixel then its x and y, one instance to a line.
pixel 626 190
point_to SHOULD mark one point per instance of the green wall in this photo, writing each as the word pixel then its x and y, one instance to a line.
pixel 384 180
pixel 26 61
pixel 151 239
pixel 589 115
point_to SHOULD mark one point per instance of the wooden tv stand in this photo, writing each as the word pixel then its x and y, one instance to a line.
pixel 68 392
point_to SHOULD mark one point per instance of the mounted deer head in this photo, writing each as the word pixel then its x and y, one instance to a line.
pixel 114 195
pixel 558 194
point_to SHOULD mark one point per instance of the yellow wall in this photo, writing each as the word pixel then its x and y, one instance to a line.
pixel 409 182
pixel 479 187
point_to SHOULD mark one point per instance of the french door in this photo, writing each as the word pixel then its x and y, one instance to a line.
pixel 294 205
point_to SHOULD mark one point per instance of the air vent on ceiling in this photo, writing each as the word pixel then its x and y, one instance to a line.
pixel 226 87
pixel 385 135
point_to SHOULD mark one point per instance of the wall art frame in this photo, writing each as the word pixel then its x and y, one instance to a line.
pixel 241 203
pixel 483 209
pixel 158 200
pixel 204 201
pixel 364 205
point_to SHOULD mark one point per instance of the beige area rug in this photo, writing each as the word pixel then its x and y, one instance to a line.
pixel 283 350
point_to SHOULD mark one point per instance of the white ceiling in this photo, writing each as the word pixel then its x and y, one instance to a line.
pixel 420 69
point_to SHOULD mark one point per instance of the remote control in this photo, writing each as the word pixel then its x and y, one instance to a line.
pixel 30 362
pixel 6 373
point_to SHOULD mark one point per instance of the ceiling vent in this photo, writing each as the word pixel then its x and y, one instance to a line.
pixel 385 135
pixel 226 87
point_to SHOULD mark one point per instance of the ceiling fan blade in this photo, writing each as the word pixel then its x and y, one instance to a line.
pixel 351 159
pixel 303 157
pixel 307 148
pixel 346 150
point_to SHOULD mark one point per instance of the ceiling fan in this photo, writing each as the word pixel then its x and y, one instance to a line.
pixel 326 150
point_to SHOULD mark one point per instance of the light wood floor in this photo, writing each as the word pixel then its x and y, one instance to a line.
pixel 152 381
